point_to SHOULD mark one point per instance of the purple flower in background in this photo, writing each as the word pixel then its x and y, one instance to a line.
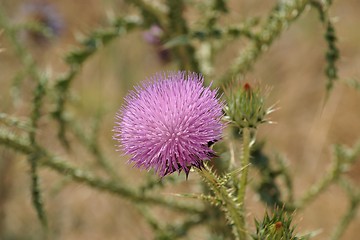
pixel 154 37
pixel 45 14
pixel 169 123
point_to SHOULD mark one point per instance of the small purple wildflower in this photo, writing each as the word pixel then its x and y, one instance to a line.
pixel 43 13
pixel 154 37
pixel 169 123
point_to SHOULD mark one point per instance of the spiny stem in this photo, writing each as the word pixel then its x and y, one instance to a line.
pixel 345 220
pixel 354 201
pixel 63 167
pixel 245 159
pixel 36 192
pixel 149 11
pixel 279 19
pixel 8 120
pixel 91 143
pixel 149 218
pixel 89 179
pixel 178 26
pixel 75 59
pixel 39 93
pixel 343 158
pixel 20 49
pixel 320 186
pixel 229 204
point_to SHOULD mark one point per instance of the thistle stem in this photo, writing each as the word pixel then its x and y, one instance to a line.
pixel 61 166
pixel 329 178
pixel 229 205
pixel 353 193
pixel 346 219
pixel 245 159
pixel 278 20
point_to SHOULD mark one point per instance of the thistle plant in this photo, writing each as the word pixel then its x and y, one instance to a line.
pixel 200 114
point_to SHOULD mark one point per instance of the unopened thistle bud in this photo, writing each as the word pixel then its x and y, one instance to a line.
pixel 246 106
pixel 276 227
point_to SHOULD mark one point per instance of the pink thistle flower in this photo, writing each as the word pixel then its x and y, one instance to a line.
pixel 169 123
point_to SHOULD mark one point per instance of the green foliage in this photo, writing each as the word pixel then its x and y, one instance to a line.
pixel 332 53
pixel 284 13
pixel 35 190
pixel 76 58
pixel 10 121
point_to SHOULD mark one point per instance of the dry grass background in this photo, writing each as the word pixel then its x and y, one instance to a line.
pixel 304 131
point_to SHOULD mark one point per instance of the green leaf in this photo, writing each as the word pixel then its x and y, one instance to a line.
pixel 177 41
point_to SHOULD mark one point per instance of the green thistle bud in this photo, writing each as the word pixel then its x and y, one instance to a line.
pixel 276 227
pixel 246 106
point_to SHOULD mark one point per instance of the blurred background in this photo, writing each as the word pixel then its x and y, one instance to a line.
pixel 304 130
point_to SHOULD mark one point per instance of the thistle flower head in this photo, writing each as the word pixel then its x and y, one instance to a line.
pixel 169 123
pixel 246 106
